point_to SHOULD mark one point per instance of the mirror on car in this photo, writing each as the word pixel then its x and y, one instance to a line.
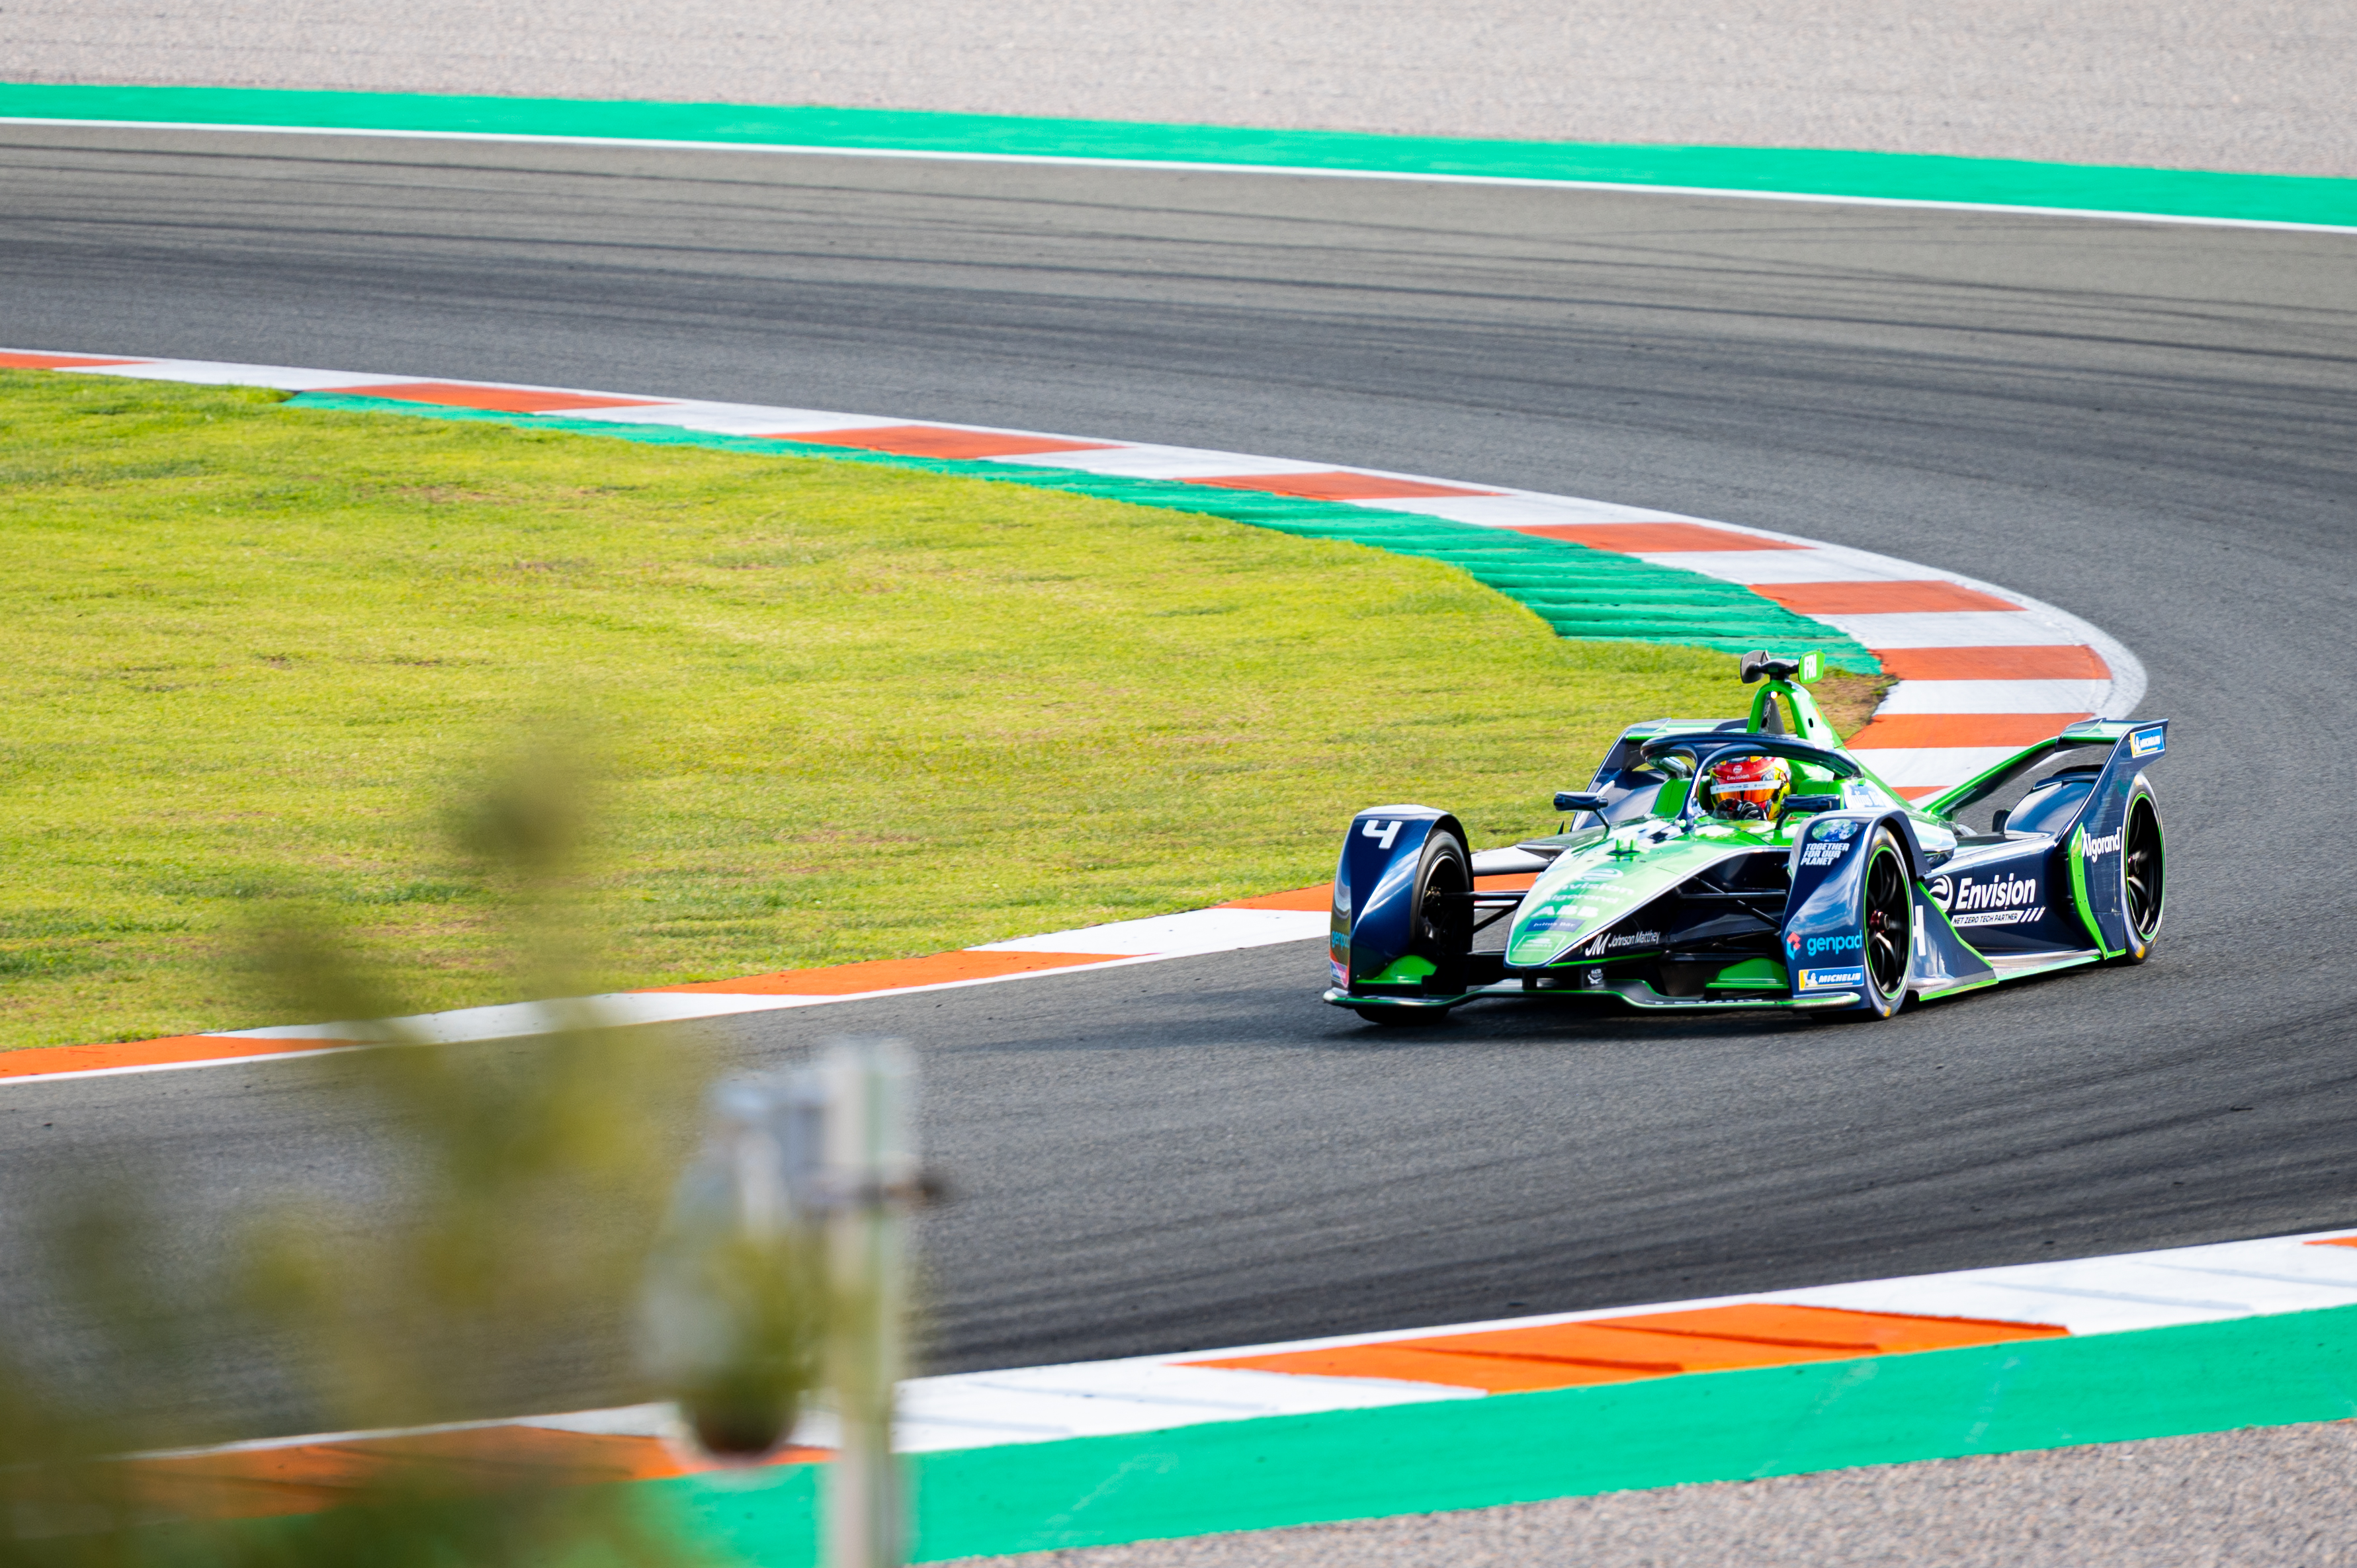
pixel 1574 800
pixel 1809 805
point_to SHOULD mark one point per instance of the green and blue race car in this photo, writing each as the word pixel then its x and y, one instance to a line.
pixel 1756 862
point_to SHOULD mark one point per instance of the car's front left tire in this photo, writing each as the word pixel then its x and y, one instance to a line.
pixel 1887 915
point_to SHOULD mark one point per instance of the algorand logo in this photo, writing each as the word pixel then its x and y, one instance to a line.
pixel 2108 844
pixel 1851 942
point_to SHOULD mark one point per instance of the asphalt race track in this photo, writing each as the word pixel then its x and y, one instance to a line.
pixel 2147 425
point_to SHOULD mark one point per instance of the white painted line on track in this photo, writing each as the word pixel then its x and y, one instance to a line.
pixel 1297 171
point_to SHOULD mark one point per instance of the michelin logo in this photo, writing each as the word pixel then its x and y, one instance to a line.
pixel 1832 979
pixel 2148 743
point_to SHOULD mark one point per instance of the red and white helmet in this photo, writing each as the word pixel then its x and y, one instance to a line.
pixel 1748 788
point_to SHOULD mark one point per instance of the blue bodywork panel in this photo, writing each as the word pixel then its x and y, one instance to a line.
pixel 1374 888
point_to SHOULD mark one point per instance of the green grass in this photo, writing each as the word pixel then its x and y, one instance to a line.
pixel 838 712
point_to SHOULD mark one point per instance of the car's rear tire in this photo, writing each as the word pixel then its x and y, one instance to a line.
pixel 2144 866
pixel 1887 915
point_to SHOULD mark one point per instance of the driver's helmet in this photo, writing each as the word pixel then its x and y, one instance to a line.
pixel 1748 788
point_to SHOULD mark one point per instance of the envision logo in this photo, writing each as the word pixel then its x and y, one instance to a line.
pixel 2003 893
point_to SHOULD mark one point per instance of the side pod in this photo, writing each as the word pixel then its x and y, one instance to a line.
pixel 1942 963
pixel 1374 892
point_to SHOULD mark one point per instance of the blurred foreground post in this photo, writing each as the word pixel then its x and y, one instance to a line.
pixel 871 1172
pixel 784 1262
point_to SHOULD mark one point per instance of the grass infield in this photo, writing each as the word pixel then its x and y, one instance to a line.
pixel 836 711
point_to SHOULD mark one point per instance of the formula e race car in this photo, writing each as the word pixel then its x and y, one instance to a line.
pixel 1756 863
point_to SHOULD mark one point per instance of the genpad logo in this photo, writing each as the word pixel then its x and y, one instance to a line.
pixel 1851 942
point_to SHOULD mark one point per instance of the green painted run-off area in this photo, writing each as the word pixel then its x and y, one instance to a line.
pixel 1508 1448
pixel 1581 593
pixel 1797 171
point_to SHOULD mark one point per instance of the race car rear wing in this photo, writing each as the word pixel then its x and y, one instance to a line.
pixel 2110 734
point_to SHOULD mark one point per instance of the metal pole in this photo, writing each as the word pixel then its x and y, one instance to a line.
pixel 871 1172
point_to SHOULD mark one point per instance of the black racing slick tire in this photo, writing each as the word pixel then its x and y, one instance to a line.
pixel 1442 932
pixel 1887 914
pixel 2144 875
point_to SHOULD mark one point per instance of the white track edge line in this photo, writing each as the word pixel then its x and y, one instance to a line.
pixel 1191 166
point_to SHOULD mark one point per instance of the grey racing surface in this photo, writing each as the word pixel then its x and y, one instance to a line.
pixel 2146 425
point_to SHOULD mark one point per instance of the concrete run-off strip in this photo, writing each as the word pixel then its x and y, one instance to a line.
pixel 1981 670
pixel 2233 84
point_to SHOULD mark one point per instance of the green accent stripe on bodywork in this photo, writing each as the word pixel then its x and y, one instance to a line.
pixel 1589 594
pixel 1510 1449
pixel 1912 178
pixel 2076 851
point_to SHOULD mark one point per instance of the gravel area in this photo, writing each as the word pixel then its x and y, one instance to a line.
pixel 2237 1499
pixel 2237 84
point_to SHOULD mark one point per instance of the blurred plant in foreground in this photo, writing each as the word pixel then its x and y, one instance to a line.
pixel 530 1179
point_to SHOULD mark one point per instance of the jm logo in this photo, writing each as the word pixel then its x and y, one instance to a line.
pixel 1383 832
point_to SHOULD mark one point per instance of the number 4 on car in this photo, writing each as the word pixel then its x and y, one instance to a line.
pixel 1755 862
